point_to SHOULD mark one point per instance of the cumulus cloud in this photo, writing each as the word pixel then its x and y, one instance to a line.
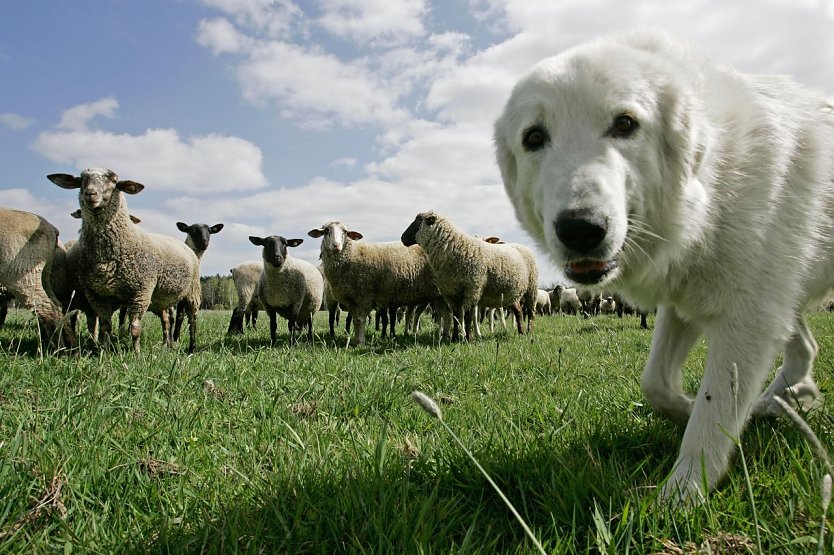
pixel 273 18
pixel 315 87
pixel 77 117
pixel 158 157
pixel 369 21
pixel 15 122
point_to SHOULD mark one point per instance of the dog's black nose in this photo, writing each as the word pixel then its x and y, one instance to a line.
pixel 580 230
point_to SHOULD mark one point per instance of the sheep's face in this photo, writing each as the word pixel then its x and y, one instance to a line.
pixel 274 250
pixel 335 236
pixel 96 186
pixel 412 234
pixel 199 235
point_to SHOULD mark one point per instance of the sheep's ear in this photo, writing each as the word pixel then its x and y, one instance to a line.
pixel 430 220
pixel 135 219
pixel 316 233
pixel 65 180
pixel 182 227
pixel 76 214
pixel 294 242
pixel 493 240
pixel 215 228
pixel 256 240
pixel 129 187
pixel 355 235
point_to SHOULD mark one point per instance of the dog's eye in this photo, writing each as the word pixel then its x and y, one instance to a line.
pixel 534 138
pixel 623 126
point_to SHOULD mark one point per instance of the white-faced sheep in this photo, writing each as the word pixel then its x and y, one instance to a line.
pixel 607 305
pixel 288 286
pixel 569 302
pixel 368 276
pixel 542 302
pixel 28 245
pixel 470 272
pixel 246 277
pixel 121 264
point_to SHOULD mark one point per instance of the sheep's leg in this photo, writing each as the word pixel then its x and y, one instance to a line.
pixel 4 310
pixel 457 319
pixel 310 328
pixel 273 325
pixel 179 318
pixel 475 321
pixel 519 318
pixel 359 319
pixel 794 382
pixel 192 308
pixel 662 380
pixel 468 315
pixel 331 321
pixel 740 353
pixel 165 320
pixel 392 320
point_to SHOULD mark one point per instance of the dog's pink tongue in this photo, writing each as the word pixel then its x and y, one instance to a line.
pixel 587 266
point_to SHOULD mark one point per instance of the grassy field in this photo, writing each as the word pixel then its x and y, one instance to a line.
pixel 320 449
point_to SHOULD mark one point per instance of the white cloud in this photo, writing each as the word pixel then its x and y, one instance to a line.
pixel 273 18
pixel 220 36
pixel 77 117
pixel 315 87
pixel 369 21
pixel 158 157
pixel 15 122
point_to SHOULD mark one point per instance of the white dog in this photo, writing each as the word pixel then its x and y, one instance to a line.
pixel 640 166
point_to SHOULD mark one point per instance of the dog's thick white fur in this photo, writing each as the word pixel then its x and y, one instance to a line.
pixel 641 166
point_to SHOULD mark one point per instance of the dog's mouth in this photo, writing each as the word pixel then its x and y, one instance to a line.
pixel 590 271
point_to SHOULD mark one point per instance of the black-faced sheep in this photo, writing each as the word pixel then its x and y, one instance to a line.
pixel 470 272
pixel 288 286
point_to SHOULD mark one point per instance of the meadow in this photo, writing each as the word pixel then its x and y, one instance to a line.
pixel 318 448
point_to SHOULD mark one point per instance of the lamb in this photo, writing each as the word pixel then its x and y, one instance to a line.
pixel 246 277
pixel 288 286
pixel 28 246
pixel 197 239
pixel 569 301
pixel 607 305
pixel 471 272
pixel 543 302
pixel 368 276
pixel 120 264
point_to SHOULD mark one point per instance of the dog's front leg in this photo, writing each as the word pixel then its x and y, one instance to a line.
pixel 737 365
pixel 662 380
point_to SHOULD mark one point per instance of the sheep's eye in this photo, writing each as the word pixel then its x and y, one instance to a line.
pixel 534 138
pixel 624 126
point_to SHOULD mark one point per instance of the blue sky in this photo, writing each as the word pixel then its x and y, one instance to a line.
pixel 274 116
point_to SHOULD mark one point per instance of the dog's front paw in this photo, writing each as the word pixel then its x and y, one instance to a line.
pixel 804 396
pixel 683 489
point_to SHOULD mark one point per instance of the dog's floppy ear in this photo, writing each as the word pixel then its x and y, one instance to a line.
pixel 683 142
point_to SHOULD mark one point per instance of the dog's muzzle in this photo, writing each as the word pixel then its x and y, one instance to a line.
pixel 590 272
pixel 582 232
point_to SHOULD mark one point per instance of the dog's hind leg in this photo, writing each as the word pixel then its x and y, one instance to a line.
pixel 662 380
pixel 794 382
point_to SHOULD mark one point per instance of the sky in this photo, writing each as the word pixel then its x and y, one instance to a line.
pixel 277 116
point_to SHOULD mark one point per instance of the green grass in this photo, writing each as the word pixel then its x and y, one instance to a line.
pixel 320 449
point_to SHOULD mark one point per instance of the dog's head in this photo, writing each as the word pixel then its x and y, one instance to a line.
pixel 599 149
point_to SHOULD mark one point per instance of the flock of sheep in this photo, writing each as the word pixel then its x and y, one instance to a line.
pixel 116 266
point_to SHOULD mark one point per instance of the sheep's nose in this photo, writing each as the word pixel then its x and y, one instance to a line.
pixel 580 230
